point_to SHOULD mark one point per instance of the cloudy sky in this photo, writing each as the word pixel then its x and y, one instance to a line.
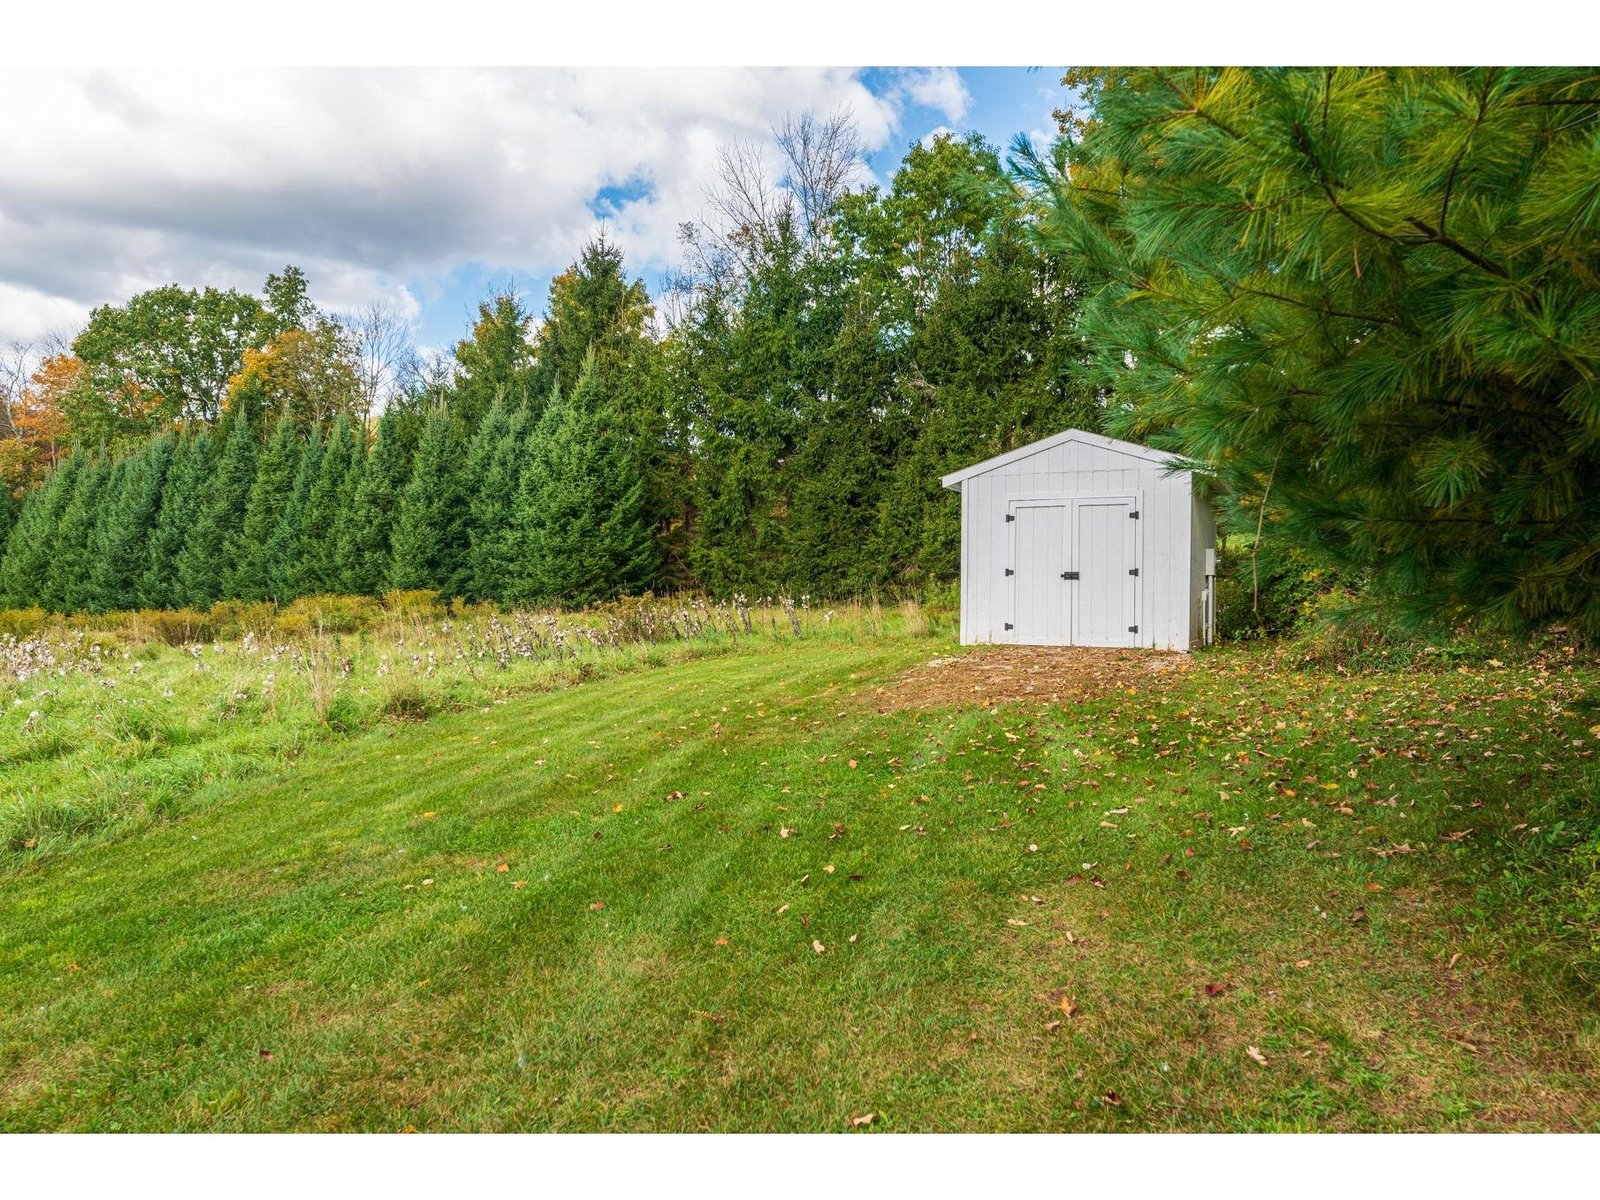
pixel 425 189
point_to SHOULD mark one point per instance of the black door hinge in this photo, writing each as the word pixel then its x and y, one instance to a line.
pixel 1134 515
pixel 1133 629
pixel 1008 625
pixel 1069 574
pixel 1009 571
pixel 1133 570
pixel 1011 516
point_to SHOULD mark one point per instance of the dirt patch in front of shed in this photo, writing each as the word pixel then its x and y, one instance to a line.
pixel 990 675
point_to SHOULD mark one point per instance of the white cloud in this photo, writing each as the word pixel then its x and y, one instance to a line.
pixel 940 88
pixel 29 316
pixel 367 178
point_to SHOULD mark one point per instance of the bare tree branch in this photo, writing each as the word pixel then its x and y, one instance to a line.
pixel 752 198
pixel 823 158
pixel 381 340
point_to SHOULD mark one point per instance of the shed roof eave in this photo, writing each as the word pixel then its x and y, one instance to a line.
pixel 954 480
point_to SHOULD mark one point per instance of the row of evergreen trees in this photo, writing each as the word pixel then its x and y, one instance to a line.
pixel 823 365
pixel 538 502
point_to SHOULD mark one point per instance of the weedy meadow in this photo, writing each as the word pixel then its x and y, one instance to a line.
pixel 126 717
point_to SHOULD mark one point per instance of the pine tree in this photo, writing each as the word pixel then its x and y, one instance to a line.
pixel 71 556
pixel 593 310
pixel 340 549
pixel 23 572
pixel 110 509
pixel 103 592
pixel 316 569
pixel 8 517
pixel 494 365
pixel 182 494
pixel 122 542
pixel 283 547
pixel 364 550
pixel 748 385
pixel 580 507
pixel 494 467
pixel 429 540
pixel 250 575
pixel 204 560
pixel 1364 299
pixel 124 538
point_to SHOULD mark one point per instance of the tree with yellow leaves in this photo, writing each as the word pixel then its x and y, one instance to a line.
pixel 309 376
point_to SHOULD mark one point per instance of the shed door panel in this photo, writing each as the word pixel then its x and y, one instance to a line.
pixel 1105 600
pixel 1039 594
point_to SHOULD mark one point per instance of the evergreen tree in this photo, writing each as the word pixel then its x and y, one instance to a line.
pixel 250 575
pixel 182 494
pixel 204 560
pixel 496 363
pixel 429 539
pixel 23 572
pixel 494 468
pixel 112 505
pixel 364 550
pixel 747 388
pixel 66 586
pixel 1365 300
pixel 990 360
pixel 580 505
pixel 8 517
pixel 316 570
pixel 593 310
pixel 339 550
pixel 122 541
pixel 283 547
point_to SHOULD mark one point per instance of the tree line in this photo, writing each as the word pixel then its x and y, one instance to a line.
pixel 1360 302
pixel 828 353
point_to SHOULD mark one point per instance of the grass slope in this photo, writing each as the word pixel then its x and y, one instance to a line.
pixel 600 907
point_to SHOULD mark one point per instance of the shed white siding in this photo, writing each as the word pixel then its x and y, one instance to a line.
pixel 1089 486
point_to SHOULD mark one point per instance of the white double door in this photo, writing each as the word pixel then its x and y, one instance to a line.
pixel 1075 571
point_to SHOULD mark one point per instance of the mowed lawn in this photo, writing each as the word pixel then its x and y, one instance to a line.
pixel 733 894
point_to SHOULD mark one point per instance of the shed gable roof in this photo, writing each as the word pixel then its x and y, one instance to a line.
pixel 1132 449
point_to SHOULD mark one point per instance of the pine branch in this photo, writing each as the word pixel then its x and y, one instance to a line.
pixel 1195 110
pixel 1455 247
pixel 1466 144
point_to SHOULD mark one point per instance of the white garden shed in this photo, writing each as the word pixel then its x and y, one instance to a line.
pixel 1083 540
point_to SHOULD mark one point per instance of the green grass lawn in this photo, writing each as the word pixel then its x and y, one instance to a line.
pixel 731 894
